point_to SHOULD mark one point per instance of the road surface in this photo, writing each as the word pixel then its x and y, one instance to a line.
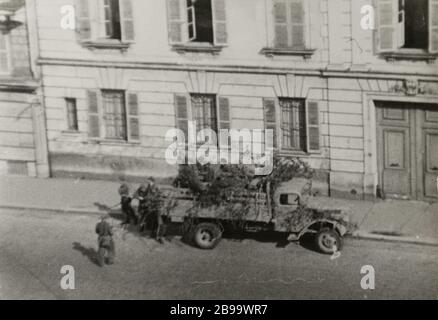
pixel 35 245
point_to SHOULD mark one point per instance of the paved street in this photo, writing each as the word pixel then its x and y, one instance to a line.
pixel 35 245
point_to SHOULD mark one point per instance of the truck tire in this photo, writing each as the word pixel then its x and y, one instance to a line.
pixel 328 241
pixel 207 235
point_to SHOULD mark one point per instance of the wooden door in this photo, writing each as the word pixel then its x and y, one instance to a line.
pixel 407 141
pixel 428 150
pixel 394 151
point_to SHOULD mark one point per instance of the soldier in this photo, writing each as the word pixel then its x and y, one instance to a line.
pixel 105 241
pixel 140 195
pixel 125 202
pixel 154 203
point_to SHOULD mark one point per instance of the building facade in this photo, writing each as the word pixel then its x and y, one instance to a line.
pixel 350 86
pixel 23 147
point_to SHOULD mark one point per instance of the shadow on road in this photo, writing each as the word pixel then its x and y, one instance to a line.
pixel 89 252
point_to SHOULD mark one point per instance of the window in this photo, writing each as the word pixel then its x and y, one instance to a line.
pixel 415 24
pixel 288 199
pixel 298 128
pixel 197 21
pixel 293 128
pixel 72 116
pixel 204 112
pixel 200 20
pixel 103 20
pixel 288 24
pixel 208 111
pixel 408 24
pixel 111 19
pixel 287 29
pixel 113 115
pixel 4 53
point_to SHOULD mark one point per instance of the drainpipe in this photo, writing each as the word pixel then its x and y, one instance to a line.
pixel 37 101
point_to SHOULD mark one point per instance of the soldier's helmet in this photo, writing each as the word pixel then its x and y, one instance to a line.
pixel 124 189
pixel 142 188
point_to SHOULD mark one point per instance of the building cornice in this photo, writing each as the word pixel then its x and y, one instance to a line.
pixel 322 72
pixel 19 85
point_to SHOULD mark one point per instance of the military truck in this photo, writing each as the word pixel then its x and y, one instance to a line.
pixel 292 210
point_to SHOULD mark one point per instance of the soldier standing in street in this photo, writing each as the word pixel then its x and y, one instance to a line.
pixel 140 195
pixel 105 241
pixel 154 203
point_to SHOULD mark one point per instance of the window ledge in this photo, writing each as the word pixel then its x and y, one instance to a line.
pixel 71 132
pixel 114 142
pixel 297 153
pixel 197 48
pixel 305 53
pixel 409 55
pixel 106 44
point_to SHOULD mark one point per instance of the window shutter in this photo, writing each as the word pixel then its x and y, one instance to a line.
pixel 224 113
pixel 191 20
pixel 433 26
pixel 182 113
pixel 387 15
pixel 93 114
pixel 127 20
pixel 219 22
pixel 133 117
pixel 400 24
pixel 313 137
pixel 297 24
pixel 177 22
pixel 270 118
pixel 83 23
pixel 280 24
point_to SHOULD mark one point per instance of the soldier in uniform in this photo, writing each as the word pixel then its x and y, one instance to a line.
pixel 105 241
pixel 125 202
pixel 140 195
pixel 154 203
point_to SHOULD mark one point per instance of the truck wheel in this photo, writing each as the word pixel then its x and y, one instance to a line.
pixel 207 235
pixel 328 241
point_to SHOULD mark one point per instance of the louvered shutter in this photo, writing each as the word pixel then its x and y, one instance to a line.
pixel 400 30
pixel 280 24
pixel 93 114
pixel 297 24
pixel 191 20
pixel 433 26
pixel 387 15
pixel 313 135
pixel 133 117
pixel 219 22
pixel 177 21
pixel 127 20
pixel 224 113
pixel 83 23
pixel 270 118
pixel 182 114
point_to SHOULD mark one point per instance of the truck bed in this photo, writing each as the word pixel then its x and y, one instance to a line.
pixel 183 205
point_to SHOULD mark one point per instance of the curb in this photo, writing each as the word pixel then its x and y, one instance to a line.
pixel 51 209
pixel 377 237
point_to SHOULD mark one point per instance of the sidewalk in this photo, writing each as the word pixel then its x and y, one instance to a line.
pixel 390 220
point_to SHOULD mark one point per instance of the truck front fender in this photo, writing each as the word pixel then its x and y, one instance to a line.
pixel 314 226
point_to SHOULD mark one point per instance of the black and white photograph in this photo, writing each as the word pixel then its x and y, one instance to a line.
pixel 225 152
